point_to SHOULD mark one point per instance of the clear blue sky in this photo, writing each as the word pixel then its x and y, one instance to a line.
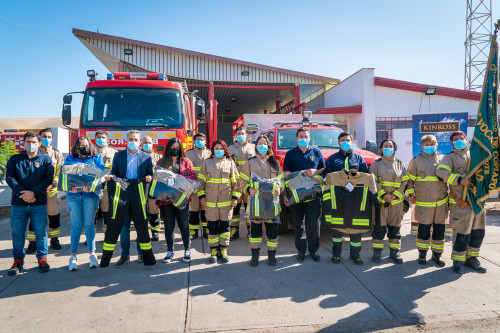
pixel 420 41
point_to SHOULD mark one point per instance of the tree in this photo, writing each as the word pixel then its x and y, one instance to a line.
pixel 7 149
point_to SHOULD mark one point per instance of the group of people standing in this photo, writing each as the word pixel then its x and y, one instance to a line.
pixel 433 183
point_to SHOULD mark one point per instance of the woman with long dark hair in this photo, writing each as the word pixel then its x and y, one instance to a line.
pixel 265 165
pixel 83 205
pixel 219 194
pixel 174 159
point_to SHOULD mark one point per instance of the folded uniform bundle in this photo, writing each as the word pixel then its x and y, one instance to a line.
pixel 302 188
pixel 265 204
pixel 80 175
pixel 169 186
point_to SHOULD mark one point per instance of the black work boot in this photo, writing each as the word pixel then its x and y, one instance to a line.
pixel 105 258
pixel 235 233
pixel 54 244
pixel 475 264
pixel 248 231
pixel 31 247
pixel 255 257
pixel 223 254
pixel 377 254
pixel 395 256
pixel 458 267
pixel 356 258
pixel 193 234
pixel 422 257
pixel 154 236
pixel 436 257
pixel 205 232
pixel 271 258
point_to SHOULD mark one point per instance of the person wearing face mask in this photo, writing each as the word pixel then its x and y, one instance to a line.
pixel 175 160
pixel 131 172
pixel 197 155
pixel 391 178
pixel 306 214
pixel 468 228
pixel 240 151
pixel 53 202
pixel 83 205
pixel 107 154
pixel 265 165
pixel 430 196
pixel 29 174
pixel 153 209
pixel 219 193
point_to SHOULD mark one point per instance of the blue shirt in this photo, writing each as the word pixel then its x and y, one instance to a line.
pixel 337 162
pixel 296 160
pixel 95 160
pixel 132 165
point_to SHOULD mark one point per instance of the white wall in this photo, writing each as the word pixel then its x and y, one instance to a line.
pixel 60 140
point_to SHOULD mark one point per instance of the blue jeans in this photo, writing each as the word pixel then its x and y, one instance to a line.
pixel 82 211
pixel 19 221
pixel 125 238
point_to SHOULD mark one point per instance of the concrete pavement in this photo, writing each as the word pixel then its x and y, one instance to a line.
pixel 290 297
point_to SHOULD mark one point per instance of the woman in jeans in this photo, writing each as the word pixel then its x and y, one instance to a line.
pixel 83 205
pixel 175 160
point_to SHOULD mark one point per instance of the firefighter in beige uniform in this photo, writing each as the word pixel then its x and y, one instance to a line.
pixel 153 209
pixel 430 196
pixel 107 153
pixel 391 178
pixel 468 228
pixel 53 202
pixel 197 155
pixel 219 193
pixel 240 151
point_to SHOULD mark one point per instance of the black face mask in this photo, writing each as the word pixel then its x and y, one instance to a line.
pixel 84 150
pixel 175 151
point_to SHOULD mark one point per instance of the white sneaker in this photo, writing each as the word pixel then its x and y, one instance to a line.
pixel 73 266
pixel 187 256
pixel 168 258
pixel 93 261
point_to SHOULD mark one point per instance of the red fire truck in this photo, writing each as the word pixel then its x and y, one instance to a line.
pixel 147 102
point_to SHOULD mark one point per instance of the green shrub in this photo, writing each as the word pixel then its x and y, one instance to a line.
pixel 7 149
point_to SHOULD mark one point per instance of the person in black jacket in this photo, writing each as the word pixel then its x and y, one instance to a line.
pixel 28 175
pixel 345 158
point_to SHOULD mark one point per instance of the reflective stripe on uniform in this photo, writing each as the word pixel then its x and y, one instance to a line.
pixel 245 177
pixel 394 246
pixel 143 200
pixel 334 198
pixel 337 240
pixel 361 222
pixel 226 235
pixel 239 163
pixel 219 204
pixel 202 176
pixel 94 184
pixel 108 246
pixel 336 220
pixel 377 245
pixel 272 244
pixel 201 193
pixel 390 184
pixel 422 246
pixel 457 257
pixel 444 166
pixel 410 191
pixel 116 198
pixel 152 188
pixel 363 202
pixel 54 232
pixel 432 203
pixel 197 168
pixel 214 240
pixel 255 240
pixel 356 244
pixel 472 253
pixel 146 246
pixel 451 178
pixel 427 179
pixel 181 199
pixel 346 163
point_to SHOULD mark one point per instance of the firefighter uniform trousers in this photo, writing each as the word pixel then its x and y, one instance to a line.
pixel 53 202
pixel 391 178
pixel 260 166
pixel 352 212
pixel 431 201
pixel 468 228
pixel 128 197
pixel 196 211
pixel 219 186
pixel 107 153
pixel 153 209
pixel 241 153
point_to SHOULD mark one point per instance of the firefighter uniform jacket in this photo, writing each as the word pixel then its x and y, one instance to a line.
pixel 391 178
pixel 57 160
pixel 197 156
pixel 219 184
pixel 81 174
pixel 301 188
pixel 259 166
pixel 452 169
pixel 107 153
pixel 173 187
pixel 241 153
pixel 351 212
pixel 431 194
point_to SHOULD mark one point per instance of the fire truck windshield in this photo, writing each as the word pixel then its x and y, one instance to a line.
pixel 323 138
pixel 132 107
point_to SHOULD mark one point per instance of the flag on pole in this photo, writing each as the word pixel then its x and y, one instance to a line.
pixel 484 170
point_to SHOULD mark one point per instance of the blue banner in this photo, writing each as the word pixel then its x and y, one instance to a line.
pixel 441 125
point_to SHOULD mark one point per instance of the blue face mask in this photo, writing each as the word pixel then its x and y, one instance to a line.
pixel 345 146
pixel 460 144
pixel 101 142
pixel 262 149
pixel 133 146
pixel 241 138
pixel 388 152
pixel 429 150
pixel 147 146
pixel 46 142
pixel 303 143
pixel 219 153
pixel 199 143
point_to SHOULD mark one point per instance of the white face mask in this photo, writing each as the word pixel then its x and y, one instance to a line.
pixel 31 147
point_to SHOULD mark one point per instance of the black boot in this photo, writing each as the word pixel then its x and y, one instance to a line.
pixel 356 258
pixel 235 233
pixel 474 263
pixel 255 257
pixel 436 257
pixel 422 257
pixel 54 244
pixel 271 258
pixel 395 256
pixel 205 232
pixel 223 254
pixel 31 247
pixel 377 254
pixel 458 267
pixel 154 236
pixel 105 258
pixel 248 231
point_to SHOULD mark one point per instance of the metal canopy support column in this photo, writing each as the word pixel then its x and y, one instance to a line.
pixel 296 96
pixel 212 115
